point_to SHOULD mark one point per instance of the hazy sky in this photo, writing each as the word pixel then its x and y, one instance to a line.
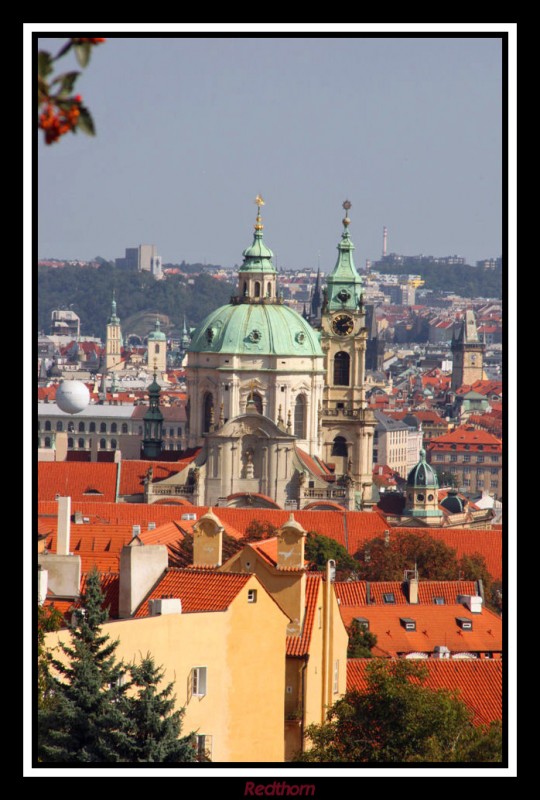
pixel 189 130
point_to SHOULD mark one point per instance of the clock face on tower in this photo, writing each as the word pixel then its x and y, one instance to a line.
pixel 343 325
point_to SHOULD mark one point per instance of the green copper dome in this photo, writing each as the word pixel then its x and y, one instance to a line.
pixel 157 335
pixel 423 474
pixel 256 329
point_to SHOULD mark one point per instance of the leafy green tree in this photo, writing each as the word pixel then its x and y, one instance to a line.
pixel 86 720
pixel 361 641
pixel 256 531
pixel 398 720
pixel 382 560
pixel 319 549
pixel 155 725
pixel 446 478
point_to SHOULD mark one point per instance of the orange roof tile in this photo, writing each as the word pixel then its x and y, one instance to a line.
pixel 133 473
pixel 466 434
pixel 116 513
pixel 199 590
pixel 479 682
pixel 299 645
pixel 435 625
pixel 354 593
pixel 79 480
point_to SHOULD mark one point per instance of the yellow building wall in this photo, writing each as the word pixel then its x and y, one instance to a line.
pixel 243 649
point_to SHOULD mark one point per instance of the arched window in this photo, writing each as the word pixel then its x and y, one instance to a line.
pixel 47 441
pixel 244 289
pixel 59 426
pixel 103 427
pixel 300 417
pixel 102 444
pixel 71 427
pixel 339 446
pixel 114 444
pixel 114 427
pixel 47 425
pixel 70 442
pixel 81 427
pixel 208 406
pixel 269 289
pixel 81 444
pixel 124 427
pixel 257 399
pixel 342 364
pixel 257 289
pixel 157 349
pixel 92 427
pixel 38 425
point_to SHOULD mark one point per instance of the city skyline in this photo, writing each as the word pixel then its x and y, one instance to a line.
pixel 409 129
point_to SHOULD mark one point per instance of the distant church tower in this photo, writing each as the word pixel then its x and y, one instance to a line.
pixel 468 354
pixel 113 342
pixel 153 422
pixel 157 348
pixel 347 423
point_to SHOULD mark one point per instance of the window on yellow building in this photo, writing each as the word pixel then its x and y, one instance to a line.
pixel 198 681
pixel 203 747
pixel 252 595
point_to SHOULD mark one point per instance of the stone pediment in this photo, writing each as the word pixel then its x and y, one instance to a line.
pixel 251 425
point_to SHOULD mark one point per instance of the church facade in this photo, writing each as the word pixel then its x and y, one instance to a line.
pixel 278 407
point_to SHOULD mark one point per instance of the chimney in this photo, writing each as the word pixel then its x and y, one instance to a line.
pixel 140 567
pixel 42 584
pixel 63 526
pixel 208 541
pixel 291 538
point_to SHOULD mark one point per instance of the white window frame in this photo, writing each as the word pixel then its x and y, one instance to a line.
pixel 199 681
pixel 204 742
pixel 252 595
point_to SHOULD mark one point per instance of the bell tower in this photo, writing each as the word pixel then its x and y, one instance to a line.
pixel 347 423
pixel 467 354
pixel 113 341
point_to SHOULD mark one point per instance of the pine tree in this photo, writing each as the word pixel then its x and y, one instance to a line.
pixel 155 726
pixel 85 721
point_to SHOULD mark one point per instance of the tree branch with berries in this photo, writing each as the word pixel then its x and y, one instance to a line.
pixel 59 109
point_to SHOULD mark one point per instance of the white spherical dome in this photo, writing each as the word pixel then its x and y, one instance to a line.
pixel 72 396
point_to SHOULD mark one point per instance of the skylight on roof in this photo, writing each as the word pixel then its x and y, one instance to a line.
pixel 439 601
pixel 389 597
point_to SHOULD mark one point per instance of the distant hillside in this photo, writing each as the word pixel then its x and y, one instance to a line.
pixel 460 279
pixel 88 292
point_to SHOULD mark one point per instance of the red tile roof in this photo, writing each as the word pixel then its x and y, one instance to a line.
pixel 479 682
pixel 435 625
pixel 199 590
pixel 132 513
pixel 466 435
pixel 78 480
pixel 354 593
pixel 97 545
pixel 110 587
pixel 299 645
pixel 132 473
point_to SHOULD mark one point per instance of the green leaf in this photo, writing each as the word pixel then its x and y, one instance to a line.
pixel 83 52
pixel 44 64
pixel 67 82
pixel 86 123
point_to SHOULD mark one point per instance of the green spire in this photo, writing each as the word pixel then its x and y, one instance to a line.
pixel 153 422
pixel 344 283
pixel 257 258
pixel 113 319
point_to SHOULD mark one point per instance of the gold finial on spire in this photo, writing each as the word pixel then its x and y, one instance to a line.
pixel 346 205
pixel 259 202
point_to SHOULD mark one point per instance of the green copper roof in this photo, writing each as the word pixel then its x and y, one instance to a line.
pixel 423 474
pixel 157 335
pixel 344 284
pixel 113 319
pixel 256 329
pixel 257 258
